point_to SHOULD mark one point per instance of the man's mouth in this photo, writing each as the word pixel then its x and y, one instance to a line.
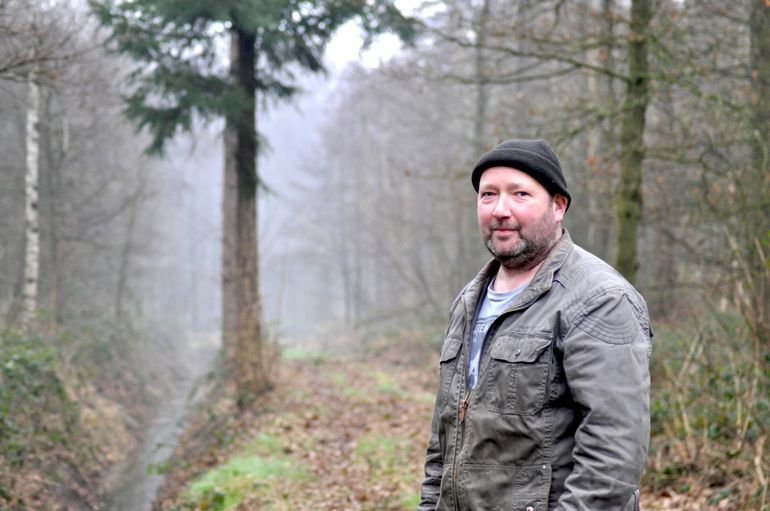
pixel 504 229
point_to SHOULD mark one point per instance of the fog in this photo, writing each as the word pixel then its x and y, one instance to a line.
pixel 111 292
pixel 295 302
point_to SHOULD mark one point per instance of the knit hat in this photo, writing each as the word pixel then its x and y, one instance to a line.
pixel 535 157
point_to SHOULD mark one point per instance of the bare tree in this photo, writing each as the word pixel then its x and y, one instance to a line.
pixel 629 201
pixel 32 230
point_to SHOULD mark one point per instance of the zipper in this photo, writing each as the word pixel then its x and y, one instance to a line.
pixel 460 434
pixel 459 440
pixel 464 406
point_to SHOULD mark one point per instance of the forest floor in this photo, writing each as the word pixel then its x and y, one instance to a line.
pixel 337 433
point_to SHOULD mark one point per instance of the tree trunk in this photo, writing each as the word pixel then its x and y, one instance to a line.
pixel 54 152
pixel 629 195
pixel 482 95
pixel 230 224
pixel 759 28
pixel 251 373
pixel 760 74
pixel 344 246
pixel 609 128
pixel 600 141
pixel 465 219
pixel 54 300
pixel 124 264
pixel 31 230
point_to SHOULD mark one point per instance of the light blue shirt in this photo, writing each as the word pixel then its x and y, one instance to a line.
pixel 492 306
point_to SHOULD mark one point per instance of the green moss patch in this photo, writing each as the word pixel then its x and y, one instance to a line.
pixel 245 477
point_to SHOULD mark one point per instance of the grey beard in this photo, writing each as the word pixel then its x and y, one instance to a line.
pixel 525 255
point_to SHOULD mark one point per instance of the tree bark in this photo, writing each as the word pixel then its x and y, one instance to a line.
pixel 759 29
pixel 53 154
pixel 482 96
pixel 124 264
pixel 251 373
pixel 465 218
pixel 629 195
pixel 230 224
pixel 32 229
pixel 600 141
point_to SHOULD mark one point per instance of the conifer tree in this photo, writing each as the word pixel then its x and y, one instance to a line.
pixel 179 75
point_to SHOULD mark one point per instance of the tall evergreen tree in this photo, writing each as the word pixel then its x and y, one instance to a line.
pixel 179 73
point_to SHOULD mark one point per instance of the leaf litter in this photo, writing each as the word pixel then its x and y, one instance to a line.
pixel 356 429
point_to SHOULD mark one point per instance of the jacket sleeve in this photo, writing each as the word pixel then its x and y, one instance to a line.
pixel 606 364
pixel 434 466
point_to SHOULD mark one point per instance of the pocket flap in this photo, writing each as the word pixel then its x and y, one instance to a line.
pixel 450 349
pixel 519 349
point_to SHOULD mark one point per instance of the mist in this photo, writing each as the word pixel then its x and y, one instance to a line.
pixel 137 363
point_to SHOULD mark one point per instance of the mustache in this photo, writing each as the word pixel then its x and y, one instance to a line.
pixel 494 225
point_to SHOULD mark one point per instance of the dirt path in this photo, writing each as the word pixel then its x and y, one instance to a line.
pixel 358 429
pixel 335 435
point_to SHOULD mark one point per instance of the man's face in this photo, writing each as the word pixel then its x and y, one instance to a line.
pixel 519 220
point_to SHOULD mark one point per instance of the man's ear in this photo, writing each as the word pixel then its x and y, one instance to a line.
pixel 559 206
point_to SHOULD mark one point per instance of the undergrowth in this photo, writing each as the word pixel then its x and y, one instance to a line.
pixel 710 411
pixel 42 443
pixel 34 408
pixel 68 401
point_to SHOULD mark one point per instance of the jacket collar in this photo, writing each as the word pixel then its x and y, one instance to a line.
pixel 539 284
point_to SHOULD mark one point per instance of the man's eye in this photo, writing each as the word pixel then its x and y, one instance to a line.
pixel 522 194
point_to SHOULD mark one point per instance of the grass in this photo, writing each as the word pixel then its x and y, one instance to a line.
pixel 295 353
pixel 378 383
pixel 261 467
pixel 386 383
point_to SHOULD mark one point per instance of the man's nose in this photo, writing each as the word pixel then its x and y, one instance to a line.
pixel 502 207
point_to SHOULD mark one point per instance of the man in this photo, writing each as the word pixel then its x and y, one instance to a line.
pixel 543 401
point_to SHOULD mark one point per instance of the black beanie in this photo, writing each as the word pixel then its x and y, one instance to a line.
pixel 535 157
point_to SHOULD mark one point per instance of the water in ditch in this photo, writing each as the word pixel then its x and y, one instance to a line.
pixel 138 478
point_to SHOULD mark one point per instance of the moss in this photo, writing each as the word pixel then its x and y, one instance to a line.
pixel 264 466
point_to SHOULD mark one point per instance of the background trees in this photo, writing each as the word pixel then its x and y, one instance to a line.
pixel 370 226
pixel 85 325
pixel 176 46
pixel 679 126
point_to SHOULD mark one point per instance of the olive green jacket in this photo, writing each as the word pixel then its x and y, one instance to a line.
pixel 559 418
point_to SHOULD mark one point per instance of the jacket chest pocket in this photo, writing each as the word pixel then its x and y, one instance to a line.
pixel 449 360
pixel 517 374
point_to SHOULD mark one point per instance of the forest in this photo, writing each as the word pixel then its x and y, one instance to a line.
pixel 227 254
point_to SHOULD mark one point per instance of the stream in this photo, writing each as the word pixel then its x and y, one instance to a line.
pixel 137 482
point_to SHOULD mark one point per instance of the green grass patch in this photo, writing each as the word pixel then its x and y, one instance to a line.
pixel 297 353
pixel 385 382
pixel 378 382
pixel 264 467
pixel 347 387
pixel 229 484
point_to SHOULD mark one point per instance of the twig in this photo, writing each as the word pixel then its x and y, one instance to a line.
pixel 759 471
